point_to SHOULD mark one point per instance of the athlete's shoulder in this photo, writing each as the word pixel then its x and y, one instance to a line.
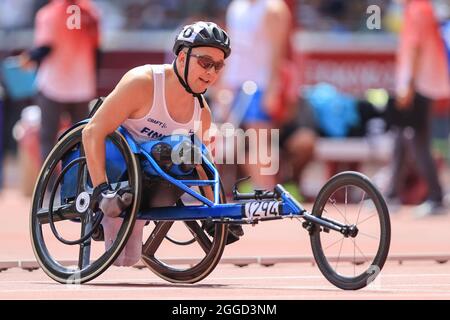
pixel 138 79
pixel 135 89
pixel 139 75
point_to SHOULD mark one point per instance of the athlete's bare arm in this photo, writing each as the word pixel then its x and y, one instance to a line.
pixel 128 99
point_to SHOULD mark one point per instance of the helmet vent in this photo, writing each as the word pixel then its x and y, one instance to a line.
pixel 204 33
pixel 216 33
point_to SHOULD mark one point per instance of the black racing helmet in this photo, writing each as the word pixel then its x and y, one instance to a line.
pixel 202 34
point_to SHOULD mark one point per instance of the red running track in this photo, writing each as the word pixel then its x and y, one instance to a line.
pixel 412 279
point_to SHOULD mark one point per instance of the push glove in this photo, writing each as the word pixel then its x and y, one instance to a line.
pixel 112 202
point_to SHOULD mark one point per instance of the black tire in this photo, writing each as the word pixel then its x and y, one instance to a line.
pixel 198 269
pixel 341 187
pixel 87 268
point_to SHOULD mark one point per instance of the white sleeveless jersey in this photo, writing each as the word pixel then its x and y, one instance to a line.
pixel 158 123
pixel 251 53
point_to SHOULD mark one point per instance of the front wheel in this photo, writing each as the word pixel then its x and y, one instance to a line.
pixel 351 261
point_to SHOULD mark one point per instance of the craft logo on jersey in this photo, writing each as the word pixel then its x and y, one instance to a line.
pixel 157 122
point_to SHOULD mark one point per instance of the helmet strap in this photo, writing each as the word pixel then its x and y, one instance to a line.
pixel 184 82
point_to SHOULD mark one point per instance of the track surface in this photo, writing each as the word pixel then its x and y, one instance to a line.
pixel 411 279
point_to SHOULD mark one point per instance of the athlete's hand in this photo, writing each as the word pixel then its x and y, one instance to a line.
pixel 25 62
pixel 112 202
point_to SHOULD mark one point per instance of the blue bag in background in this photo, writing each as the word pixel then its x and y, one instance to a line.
pixel 19 83
pixel 335 112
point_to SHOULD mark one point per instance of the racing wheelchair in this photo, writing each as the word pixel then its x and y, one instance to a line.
pixel 349 225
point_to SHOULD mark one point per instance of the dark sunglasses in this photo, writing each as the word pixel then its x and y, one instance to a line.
pixel 207 63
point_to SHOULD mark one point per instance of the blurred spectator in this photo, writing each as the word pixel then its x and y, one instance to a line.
pixel 297 142
pixel 67 74
pixel 422 77
pixel 262 79
pixel 296 120
pixel 259 31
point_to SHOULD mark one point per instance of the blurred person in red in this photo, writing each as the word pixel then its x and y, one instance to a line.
pixel 66 48
pixel 422 77
pixel 261 32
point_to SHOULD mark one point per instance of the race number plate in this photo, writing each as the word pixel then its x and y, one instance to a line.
pixel 262 209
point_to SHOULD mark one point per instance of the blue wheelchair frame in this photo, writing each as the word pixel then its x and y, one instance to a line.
pixel 264 205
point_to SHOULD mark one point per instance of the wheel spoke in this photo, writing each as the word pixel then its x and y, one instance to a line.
pixel 155 239
pixel 60 213
pixel 334 243
pixel 361 222
pixel 360 206
pixel 368 235
pixel 339 254
pixel 360 251
pixel 81 172
pixel 340 212
pixel 85 247
pixel 199 235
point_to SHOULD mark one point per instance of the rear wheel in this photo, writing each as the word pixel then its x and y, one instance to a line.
pixel 62 220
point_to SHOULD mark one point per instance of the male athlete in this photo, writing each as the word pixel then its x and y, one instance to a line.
pixel 153 101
